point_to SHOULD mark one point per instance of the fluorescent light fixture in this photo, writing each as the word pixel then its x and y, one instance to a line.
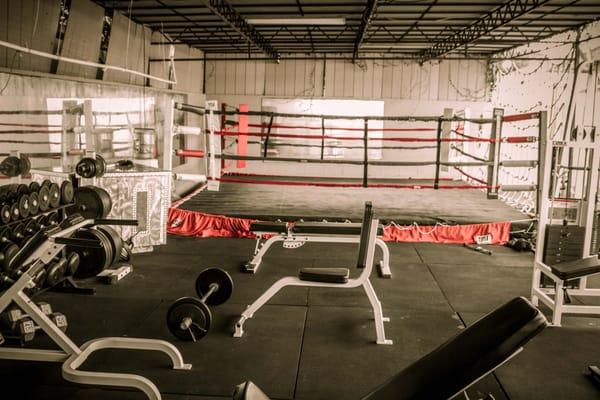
pixel 297 21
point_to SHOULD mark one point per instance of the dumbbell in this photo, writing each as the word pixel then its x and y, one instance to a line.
pixel 16 200
pixel 13 166
pixel 59 319
pixel 89 167
pixel 53 194
pixel 189 318
pixel 17 325
pixel 56 271
pixel 50 219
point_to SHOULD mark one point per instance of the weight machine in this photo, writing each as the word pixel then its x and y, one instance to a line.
pixel 39 251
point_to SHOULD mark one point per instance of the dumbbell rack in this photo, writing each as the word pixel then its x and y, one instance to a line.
pixel 71 355
pixel 66 284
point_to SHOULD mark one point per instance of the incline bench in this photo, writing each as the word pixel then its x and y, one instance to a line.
pixel 457 364
pixel 294 235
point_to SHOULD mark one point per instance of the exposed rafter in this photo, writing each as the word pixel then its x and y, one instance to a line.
pixel 494 19
pixel 228 14
pixel 364 25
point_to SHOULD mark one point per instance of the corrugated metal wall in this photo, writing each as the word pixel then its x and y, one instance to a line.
pixel 461 80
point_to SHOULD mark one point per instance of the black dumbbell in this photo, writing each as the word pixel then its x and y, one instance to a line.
pixel 89 167
pixel 17 325
pixel 17 200
pixel 8 251
pixel 73 261
pixel 67 192
pixel 190 318
pixel 56 270
pixel 59 319
pixel 14 166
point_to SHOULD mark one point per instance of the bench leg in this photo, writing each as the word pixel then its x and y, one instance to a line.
pixel 258 303
pixel 559 299
pixel 259 252
pixel 384 264
pixel 535 283
pixel 377 313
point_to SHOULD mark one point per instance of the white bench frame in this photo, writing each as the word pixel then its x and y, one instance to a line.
pixel 361 280
pixel 293 240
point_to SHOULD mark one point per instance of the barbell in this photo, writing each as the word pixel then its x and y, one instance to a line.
pixel 89 167
pixel 189 318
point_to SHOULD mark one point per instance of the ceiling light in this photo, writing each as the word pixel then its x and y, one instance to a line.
pixel 296 21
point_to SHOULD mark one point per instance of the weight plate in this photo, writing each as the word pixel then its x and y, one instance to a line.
pixel 53 218
pixel 107 244
pixel 8 251
pixel 199 316
pixel 73 261
pixel 24 205
pixel 5 234
pixel 115 241
pixel 56 272
pixel 10 166
pixel 66 192
pixel 100 165
pixel 24 164
pixel 92 260
pixel 40 278
pixel 34 203
pixel 46 183
pixel 54 195
pixel 92 202
pixel 21 189
pixel 34 187
pixel 86 167
pixel 214 276
pixel 5 214
pixel 44 198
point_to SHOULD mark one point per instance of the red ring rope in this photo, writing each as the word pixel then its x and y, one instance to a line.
pixel 189 153
pixel 318 128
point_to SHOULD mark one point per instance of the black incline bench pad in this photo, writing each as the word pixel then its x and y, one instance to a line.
pixel 577 268
pixel 331 228
pixel 473 353
pixel 279 227
pixel 328 275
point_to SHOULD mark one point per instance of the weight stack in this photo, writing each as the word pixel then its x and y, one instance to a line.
pixel 563 243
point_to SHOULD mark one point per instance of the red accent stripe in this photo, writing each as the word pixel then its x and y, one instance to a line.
pixel 520 117
pixel 189 153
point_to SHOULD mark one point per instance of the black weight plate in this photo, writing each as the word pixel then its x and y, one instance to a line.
pixel 198 312
pixel 92 259
pixel 221 278
pixel 115 240
pixel 21 189
pixel 34 187
pixel 56 272
pixel 54 195
pixel 24 205
pixel 8 250
pixel 30 227
pixel 5 234
pixel 107 244
pixel 44 198
pixel 34 203
pixel 46 183
pixel 53 218
pixel 86 167
pixel 73 261
pixel 66 192
pixel 25 164
pixel 40 278
pixel 92 202
pixel 10 166
pixel 15 214
pixel 100 165
pixel 5 214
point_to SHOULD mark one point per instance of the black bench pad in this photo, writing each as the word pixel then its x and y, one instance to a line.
pixel 327 275
pixel 471 354
pixel 577 268
pixel 331 228
pixel 279 227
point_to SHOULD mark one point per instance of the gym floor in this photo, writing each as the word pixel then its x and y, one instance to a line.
pixel 313 343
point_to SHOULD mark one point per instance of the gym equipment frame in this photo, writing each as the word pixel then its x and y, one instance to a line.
pixel 292 240
pixel 559 274
pixel 71 355
pixel 365 261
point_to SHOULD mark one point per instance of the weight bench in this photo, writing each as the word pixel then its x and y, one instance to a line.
pixel 457 364
pixel 34 256
pixel 560 274
pixel 294 235
pixel 334 278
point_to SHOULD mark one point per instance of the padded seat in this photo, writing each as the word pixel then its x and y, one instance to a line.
pixel 577 268
pixel 328 275
pixel 471 354
pixel 268 226
pixel 331 228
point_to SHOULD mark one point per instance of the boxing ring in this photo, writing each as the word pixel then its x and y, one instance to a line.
pixel 423 173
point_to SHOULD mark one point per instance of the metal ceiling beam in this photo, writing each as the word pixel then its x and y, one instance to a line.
pixel 364 25
pixel 502 15
pixel 238 23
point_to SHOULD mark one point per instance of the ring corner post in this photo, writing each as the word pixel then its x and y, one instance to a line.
pixel 242 142
pixel 542 143
pixel 494 153
pixel 438 153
